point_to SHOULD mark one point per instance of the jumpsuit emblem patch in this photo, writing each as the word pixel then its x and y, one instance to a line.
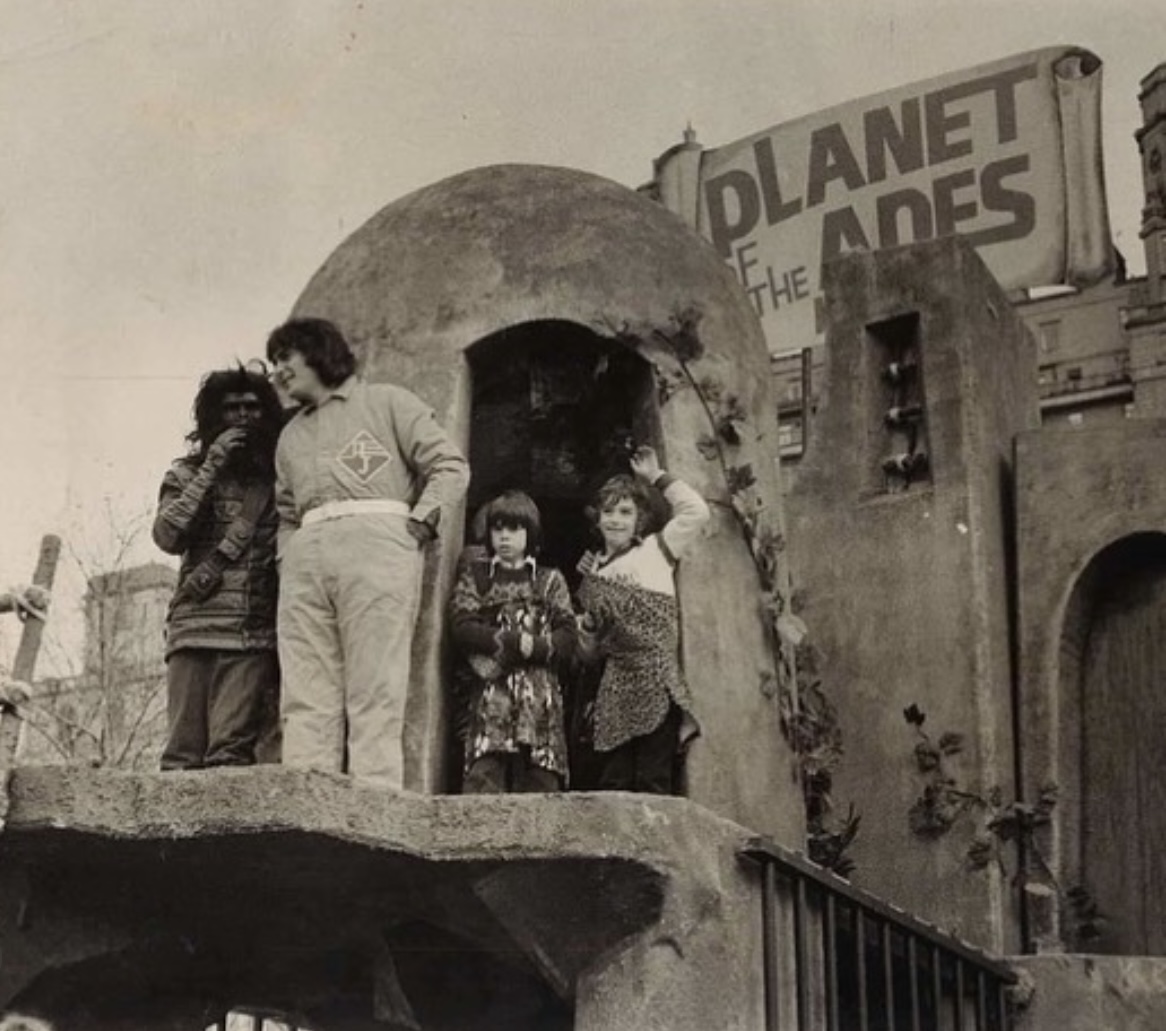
pixel 364 456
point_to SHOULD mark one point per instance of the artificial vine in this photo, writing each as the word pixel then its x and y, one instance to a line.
pixel 809 721
pixel 810 724
pixel 944 801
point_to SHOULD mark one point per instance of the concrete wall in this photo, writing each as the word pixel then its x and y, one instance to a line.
pixel 140 901
pixel 1147 356
pixel 1092 993
pixel 437 271
pixel 907 594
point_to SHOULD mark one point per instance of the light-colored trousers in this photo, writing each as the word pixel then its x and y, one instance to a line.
pixel 348 597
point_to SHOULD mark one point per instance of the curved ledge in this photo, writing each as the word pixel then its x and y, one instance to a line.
pixel 656 831
pixel 269 877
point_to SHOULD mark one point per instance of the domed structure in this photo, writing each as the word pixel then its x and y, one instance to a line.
pixel 551 318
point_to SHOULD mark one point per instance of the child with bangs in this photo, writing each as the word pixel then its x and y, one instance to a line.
pixel 643 713
pixel 511 618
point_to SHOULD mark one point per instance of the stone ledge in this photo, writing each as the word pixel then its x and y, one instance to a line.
pixel 269 877
pixel 655 830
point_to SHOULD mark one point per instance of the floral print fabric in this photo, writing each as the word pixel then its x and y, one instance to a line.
pixel 640 641
pixel 514 703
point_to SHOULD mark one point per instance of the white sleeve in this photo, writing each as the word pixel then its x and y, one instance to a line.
pixel 690 513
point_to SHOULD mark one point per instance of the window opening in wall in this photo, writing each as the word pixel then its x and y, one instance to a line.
pixel 898 421
pixel 1050 337
pixel 789 436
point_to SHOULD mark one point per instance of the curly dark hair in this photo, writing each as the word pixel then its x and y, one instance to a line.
pixel 623 487
pixel 208 414
pixel 323 346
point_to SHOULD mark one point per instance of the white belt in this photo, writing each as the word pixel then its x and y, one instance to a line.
pixel 357 506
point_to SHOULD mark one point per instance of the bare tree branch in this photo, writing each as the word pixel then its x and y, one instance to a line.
pixel 107 712
pixel 144 712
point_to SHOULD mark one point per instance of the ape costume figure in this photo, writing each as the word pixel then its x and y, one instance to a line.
pixel 216 509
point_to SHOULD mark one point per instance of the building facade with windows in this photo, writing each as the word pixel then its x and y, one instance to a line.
pixel 1101 350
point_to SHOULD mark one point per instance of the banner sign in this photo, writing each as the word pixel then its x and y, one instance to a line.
pixel 1007 155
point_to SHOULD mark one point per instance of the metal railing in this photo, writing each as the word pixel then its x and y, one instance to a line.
pixel 839 959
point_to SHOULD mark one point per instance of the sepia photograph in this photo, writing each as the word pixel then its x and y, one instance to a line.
pixel 738 427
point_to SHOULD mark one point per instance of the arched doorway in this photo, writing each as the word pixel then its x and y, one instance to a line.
pixel 1113 658
pixel 554 411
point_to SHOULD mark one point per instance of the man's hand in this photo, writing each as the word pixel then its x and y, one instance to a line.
pixel 589 639
pixel 646 465
pixel 420 531
pixel 226 444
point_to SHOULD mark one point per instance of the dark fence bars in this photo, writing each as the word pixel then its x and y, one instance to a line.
pixel 839 959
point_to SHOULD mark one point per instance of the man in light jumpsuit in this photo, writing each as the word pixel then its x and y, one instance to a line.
pixel 363 472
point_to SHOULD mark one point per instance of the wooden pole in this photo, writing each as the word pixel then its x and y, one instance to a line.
pixel 25 665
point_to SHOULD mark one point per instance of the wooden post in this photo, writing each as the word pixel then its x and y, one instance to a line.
pixel 25 665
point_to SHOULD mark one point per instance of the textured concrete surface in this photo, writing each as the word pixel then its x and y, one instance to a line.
pixel 288 889
pixel 1093 993
pixel 908 594
pixel 440 270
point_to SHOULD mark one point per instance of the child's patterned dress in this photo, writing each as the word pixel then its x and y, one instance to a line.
pixel 517 701
pixel 631 599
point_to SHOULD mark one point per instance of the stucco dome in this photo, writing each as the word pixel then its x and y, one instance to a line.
pixel 551 317
pixel 506 244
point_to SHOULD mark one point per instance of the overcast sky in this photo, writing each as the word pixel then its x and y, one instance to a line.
pixel 172 173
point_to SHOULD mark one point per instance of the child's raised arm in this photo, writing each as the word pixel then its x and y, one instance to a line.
pixel 689 510
pixel 690 513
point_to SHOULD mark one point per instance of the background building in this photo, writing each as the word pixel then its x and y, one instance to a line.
pixel 1101 350
pixel 113 712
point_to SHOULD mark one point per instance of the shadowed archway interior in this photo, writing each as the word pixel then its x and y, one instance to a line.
pixel 556 410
